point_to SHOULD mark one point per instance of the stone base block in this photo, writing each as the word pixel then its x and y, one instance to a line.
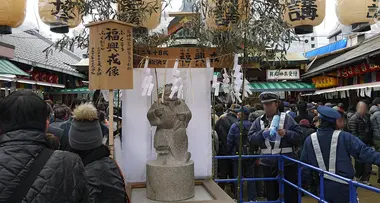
pixel 169 183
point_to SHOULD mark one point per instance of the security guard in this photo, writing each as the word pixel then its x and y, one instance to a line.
pixel 288 137
pixel 331 150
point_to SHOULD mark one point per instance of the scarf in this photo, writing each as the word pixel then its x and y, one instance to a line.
pixel 92 155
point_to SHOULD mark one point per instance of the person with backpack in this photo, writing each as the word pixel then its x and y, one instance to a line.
pixel 233 139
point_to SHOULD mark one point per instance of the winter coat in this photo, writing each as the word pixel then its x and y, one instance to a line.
pixel 57 123
pixel 233 137
pixel 361 128
pixel 375 121
pixel 62 179
pixel 105 181
pixel 293 138
pixel 64 140
pixel 222 127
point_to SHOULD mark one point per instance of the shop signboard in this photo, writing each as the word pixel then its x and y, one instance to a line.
pixel 283 74
pixel 189 57
pixel 325 81
pixel 352 71
pixel 110 55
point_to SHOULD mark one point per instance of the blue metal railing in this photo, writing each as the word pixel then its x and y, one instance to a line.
pixel 281 180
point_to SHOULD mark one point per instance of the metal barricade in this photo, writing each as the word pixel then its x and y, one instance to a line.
pixel 353 185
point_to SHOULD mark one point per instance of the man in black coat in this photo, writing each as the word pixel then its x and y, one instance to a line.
pixel 24 119
pixel 359 125
pixel 222 127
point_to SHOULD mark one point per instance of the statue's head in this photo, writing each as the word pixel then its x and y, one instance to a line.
pixel 167 90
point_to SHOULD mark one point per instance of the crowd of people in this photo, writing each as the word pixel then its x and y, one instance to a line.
pixel 53 153
pixel 306 130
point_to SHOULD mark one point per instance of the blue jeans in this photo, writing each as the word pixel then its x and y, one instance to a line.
pixel 248 172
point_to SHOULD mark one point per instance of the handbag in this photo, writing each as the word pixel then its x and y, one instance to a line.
pixel 22 189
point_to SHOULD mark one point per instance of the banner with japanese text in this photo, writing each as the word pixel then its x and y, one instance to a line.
pixel 192 57
pixel 283 74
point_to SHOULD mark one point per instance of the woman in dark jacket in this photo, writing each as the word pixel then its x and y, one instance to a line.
pixel 60 178
pixel 105 180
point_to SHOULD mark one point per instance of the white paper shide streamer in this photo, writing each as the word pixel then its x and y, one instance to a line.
pixel 238 83
pixel 147 84
pixel 215 83
pixel 177 82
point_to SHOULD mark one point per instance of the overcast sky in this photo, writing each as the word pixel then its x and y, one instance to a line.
pixel 32 19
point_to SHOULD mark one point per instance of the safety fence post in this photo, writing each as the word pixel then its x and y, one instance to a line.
pixel 299 183
pixel 321 186
pixel 281 178
pixel 352 191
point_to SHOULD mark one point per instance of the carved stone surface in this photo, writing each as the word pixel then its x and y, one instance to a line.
pixel 171 176
pixel 171 118
pixel 170 183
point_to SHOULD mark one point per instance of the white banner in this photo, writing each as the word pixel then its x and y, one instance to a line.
pixel 283 74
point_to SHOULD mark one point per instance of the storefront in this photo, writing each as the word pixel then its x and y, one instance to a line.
pixel 353 74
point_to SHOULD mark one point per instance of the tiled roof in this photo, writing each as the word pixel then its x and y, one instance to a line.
pixel 30 47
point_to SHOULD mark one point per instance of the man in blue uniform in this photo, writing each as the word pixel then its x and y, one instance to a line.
pixel 331 150
pixel 286 140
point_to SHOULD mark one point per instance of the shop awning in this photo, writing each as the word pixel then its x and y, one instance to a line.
pixel 8 68
pixel 281 86
pixel 365 49
pixel 348 87
pixel 82 90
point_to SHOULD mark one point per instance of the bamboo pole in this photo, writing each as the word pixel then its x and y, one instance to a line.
pixel 110 115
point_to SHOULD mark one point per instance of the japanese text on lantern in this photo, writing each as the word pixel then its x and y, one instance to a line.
pixel 373 10
pixel 110 61
pixel 302 10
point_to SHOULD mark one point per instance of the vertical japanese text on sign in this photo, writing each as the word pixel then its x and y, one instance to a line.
pixel 111 59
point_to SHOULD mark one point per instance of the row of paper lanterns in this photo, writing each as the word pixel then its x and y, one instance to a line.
pixel 302 15
pixel 13 12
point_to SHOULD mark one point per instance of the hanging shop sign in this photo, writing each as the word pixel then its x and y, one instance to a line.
pixel 352 71
pixel 283 74
pixel 111 55
pixel 187 56
pixel 324 82
pixel 60 15
pixel 303 15
pixel 12 15
pixel 42 77
pixel 357 12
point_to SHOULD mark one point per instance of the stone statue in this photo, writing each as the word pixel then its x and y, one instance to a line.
pixel 171 117
pixel 173 166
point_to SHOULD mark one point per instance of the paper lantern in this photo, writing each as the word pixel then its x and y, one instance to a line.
pixel 12 15
pixel 223 14
pixel 56 14
pixel 304 15
pixel 356 13
pixel 148 20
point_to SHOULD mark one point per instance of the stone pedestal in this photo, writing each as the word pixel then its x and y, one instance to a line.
pixel 169 183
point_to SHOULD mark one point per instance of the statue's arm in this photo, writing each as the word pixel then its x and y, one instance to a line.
pixel 153 117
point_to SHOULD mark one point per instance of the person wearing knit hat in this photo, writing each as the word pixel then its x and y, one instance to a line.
pixel 85 139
